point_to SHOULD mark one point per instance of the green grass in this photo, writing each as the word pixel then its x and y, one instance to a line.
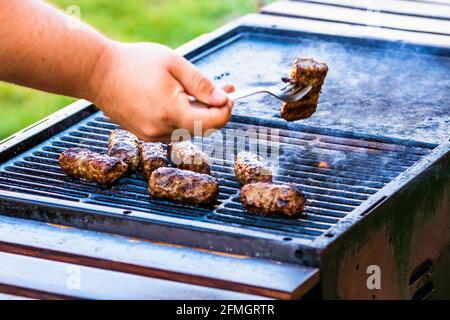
pixel 172 22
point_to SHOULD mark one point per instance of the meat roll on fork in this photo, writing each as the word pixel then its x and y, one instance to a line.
pixel 125 146
pixel 92 166
pixel 305 72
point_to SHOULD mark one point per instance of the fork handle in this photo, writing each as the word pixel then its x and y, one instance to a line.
pixel 244 93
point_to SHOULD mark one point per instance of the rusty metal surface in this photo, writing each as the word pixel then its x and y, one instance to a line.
pixel 155 259
pixel 408 238
pixel 372 87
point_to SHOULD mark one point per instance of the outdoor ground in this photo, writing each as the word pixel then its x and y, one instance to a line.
pixel 171 22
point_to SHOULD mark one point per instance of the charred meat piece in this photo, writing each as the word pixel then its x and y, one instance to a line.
pixel 183 186
pixel 153 156
pixel 272 199
pixel 92 166
pixel 187 156
pixel 125 146
pixel 305 72
pixel 250 167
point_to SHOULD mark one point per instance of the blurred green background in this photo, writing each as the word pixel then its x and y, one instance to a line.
pixel 172 22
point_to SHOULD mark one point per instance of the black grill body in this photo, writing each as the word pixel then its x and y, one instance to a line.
pixel 381 164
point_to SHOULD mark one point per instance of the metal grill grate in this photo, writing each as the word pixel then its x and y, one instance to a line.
pixel 355 169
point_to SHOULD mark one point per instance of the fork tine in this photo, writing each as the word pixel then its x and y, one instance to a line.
pixel 288 93
pixel 291 89
pixel 294 94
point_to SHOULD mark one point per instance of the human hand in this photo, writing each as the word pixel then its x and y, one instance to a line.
pixel 147 89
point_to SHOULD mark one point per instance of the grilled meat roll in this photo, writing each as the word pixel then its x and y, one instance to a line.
pixel 92 166
pixel 187 156
pixel 153 156
pixel 272 199
pixel 125 146
pixel 183 186
pixel 305 72
pixel 250 167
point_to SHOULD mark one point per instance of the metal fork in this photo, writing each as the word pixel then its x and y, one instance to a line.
pixel 286 92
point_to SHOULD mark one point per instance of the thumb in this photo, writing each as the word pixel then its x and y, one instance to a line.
pixel 196 84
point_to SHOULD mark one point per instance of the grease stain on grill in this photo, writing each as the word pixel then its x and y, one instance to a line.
pixel 356 169
pixel 371 86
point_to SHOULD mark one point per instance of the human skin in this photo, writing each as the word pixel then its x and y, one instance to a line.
pixel 147 88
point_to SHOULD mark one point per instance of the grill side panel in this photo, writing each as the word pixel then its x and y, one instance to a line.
pixel 407 240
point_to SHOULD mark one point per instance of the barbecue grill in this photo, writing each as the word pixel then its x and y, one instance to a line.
pixel 373 162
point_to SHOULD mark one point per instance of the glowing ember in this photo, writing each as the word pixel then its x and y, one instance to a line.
pixel 323 164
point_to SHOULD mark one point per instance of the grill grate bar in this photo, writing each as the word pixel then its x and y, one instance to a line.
pixel 59 192
pixel 315 170
pixel 375 145
pixel 257 223
pixel 325 212
pixel 42 187
pixel 319 218
pixel 35 192
pixel 301 222
pixel 364 145
pixel 150 206
pixel 338 181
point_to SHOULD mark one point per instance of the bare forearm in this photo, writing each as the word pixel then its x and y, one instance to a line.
pixel 42 49
pixel 144 87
